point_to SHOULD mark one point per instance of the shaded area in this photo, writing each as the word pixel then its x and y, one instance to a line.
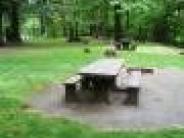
pixel 161 105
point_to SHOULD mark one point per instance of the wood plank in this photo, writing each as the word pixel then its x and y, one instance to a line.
pixel 106 67
pixel 73 79
pixel 134 80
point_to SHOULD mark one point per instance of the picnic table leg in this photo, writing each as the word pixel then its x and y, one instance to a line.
pixel 70 93
pixel 105 85
pixel 106 96
pixel 99 89
pixel 133 96
pixel 109 84
pixel 112 83
pixel 86 83
pixel 100 86
pixel 96 89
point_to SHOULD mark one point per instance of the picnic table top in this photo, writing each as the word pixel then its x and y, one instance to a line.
pixel 103 67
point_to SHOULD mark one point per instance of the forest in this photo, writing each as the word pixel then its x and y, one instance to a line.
pixel 140 20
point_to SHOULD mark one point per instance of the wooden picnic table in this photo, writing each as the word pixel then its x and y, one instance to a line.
pixel 100 76
pixel 103 67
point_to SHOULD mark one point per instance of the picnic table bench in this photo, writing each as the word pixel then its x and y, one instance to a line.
pixel 133 87
pixel 71 88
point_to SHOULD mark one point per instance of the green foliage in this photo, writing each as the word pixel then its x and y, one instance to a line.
pixel 151 20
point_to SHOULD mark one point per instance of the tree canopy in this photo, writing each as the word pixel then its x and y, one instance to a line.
pixel 144 20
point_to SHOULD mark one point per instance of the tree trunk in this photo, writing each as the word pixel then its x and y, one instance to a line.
pixel 42 25
pixel 128 20
pixel 117 26
pixel 14 30
pixel 76 31
pixel 42 20
pixel 91 30
pixel 71 33
pixel 105 18
pixel 1 29
pixel 96 31
pixel 161 31
pixel 65 30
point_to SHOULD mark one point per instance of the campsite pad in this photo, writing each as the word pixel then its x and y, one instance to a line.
pixel 161 105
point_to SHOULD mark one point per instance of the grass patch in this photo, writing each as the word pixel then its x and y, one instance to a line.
pixel 154 60
pixel 30 68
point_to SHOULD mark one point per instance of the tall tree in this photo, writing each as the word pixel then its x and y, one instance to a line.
pixel 13 32
pixel 117 24
pixel 1 23
pixel 1 27
pixel 42 18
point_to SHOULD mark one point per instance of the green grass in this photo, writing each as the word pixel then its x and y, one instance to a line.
pixel 154 60
pixel 28 69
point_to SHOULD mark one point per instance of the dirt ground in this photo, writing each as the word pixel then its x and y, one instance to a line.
pixel 161 105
